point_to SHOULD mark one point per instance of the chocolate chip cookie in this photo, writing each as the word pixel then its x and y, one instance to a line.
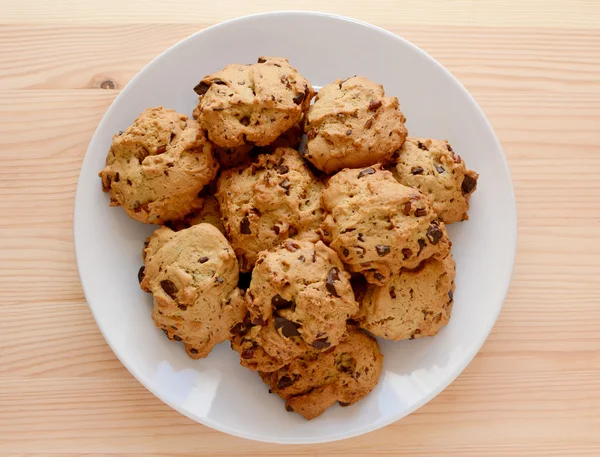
pixel 438 172
pixel 299 298
pixel 412 304
pixel 193 276
pixel 157 166
pixel 209 213
pixel 352 124
pixel 377 225
pixel 316 380
pixel 276 198
pixel 247 153
pixel 252 104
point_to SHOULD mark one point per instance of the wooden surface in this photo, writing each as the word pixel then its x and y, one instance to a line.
pixel 534 389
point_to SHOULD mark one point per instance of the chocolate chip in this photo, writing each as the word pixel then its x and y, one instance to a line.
pixel 332 276
pixel 434 233
pixel 348 132
pixel 348 230
pixel 169 288
pixel 194 351
pixel 422 146
pixel 203 259
pixel 378 276
pixel 201 88
pixel 420 212
pixel 321 343
pixel 346 252
pixel 161 149
pixel 439 168
pixel 392 292
pixel 287 327
pixel 416 170
pixel 219 82
pixel 365 172
pixel 382 250
pixel 449 147
pixel 292 231
pixel 278 302
pixel 240 329
pixel 291 246
pixel 245 121
pixel 285 381
pixel 121 132
pixel 422 244
pixel 245 226
pixel 248 353
pixel 177 338
pixel 406 208
pixel 171 139
pixel 261 60
pixel 374 105
pixel 451 295
pixel 117 177
pixel 258 321
pixel 285 184
pixel 468 184
pixel 182 307
pixel 289 408
pixel 129 183
pixel 276 229
pixel 141 273
pixel 343 404
pixel 298 99
pixel 282 169
pixel 219 280
pixel 369 124
pixel 406 253
pixel 301 258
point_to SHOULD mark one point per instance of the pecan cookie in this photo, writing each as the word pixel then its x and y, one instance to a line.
pixel 352 124
pixel 276 198
pixel 432 167
pixel 412 304
pixel 378 226
pixel 316 380
pixel 299 298
pixel 252 104
pixel 156 167
pixel 193 276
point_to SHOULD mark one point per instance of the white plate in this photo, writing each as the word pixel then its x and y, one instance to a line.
pixel 217 391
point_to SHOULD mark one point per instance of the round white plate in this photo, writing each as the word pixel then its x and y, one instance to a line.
pixel 217 391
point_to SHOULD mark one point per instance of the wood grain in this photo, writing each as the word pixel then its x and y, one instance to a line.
pixel 533 390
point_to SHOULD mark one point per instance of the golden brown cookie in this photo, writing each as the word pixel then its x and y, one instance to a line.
pixel 378 226
pixel 412 304
pixel 209 213
pixel 299 298
pixel 193 276
pixel 352 124
pixel 432 167
pixel 156 168
pixel 247 153
pixel 276 198
pixel 316 380
pixel 252 104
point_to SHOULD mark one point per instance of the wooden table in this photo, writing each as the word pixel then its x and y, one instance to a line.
pixel 534 389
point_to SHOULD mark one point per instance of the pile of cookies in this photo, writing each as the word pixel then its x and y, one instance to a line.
pixel 299 250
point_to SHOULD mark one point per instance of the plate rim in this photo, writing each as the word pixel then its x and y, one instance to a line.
pixel 474 349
